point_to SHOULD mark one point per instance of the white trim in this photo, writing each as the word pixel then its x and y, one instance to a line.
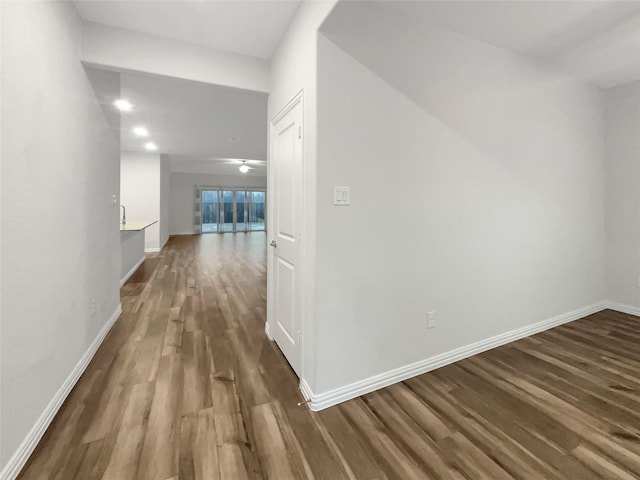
pixel 342 394
pixel 267 331
pixel 306 390
pixel 297 98
pixel 126 277
pixel 28 445
pixel 152 250
pixel 621 307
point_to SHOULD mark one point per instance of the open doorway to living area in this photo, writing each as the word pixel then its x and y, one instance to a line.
pixel 232 210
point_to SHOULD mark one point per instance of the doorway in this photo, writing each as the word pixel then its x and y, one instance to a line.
pixel 232 210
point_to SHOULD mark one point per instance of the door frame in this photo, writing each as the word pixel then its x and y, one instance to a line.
pixel 271 201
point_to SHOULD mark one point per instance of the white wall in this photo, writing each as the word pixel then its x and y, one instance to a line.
pixel 623 193
pixel 476 190
pixel 182 199
pixel 128 51
pixel 165 183
pixel 60 238
pixel 293 68
pixel 140 193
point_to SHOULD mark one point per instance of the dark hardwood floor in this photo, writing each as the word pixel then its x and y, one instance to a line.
pixel 187 386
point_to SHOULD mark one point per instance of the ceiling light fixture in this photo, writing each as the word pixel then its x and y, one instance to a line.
pixel 151 146
pixel 123 105
pixel 141 131
pixel 244 168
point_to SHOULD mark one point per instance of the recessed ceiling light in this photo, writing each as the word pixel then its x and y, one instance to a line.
pixel 141 131
pixel 233 139
pixel 244 168
pixel 123 105
pixel 151 146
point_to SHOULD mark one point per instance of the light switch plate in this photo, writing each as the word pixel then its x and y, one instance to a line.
pixel 341 196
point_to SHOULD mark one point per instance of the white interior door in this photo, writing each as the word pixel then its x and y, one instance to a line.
pixel 286 191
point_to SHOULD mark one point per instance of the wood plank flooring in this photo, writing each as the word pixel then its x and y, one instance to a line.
pixel 187 386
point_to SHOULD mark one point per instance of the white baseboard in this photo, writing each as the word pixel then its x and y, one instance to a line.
pixel 342 394
pixel 621 307
pixel 132 271
pixel 28 445
pixel 267 331
pixel 306 390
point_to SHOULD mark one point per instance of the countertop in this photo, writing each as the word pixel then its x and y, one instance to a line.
pixel 136 225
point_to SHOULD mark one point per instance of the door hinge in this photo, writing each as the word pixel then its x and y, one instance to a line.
pixel 299 133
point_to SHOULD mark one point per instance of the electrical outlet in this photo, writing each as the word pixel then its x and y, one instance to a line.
pixel 114 199
pixel 431 319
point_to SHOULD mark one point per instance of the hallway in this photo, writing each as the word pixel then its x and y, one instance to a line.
pixel 187 386
pixel 191 337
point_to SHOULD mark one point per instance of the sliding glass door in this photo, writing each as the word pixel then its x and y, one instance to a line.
pixel 227 214
pixel 243 204
pixel 210 211
pixel 232 210
pixel 256 217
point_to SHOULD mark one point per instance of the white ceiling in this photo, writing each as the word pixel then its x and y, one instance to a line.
pixel 598 41
pixel 246 27
pixel 194 119
pixel 201 127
